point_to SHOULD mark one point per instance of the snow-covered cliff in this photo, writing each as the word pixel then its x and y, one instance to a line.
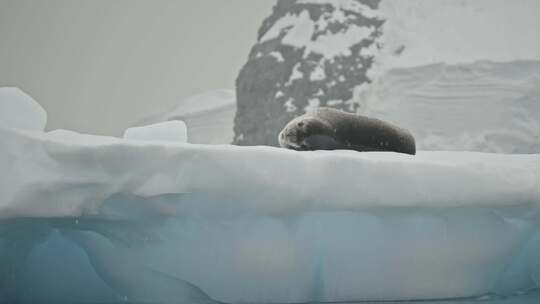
pixel 308 53
pixel 483 106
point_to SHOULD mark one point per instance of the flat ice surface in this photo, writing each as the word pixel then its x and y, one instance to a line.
pixel 18 110
pixel 168 222
pixel 174 130
pixel 320 179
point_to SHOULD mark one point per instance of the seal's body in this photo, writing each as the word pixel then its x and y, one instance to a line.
pixel 330 129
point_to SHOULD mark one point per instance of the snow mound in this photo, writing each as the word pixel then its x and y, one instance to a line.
pixel 174 130
pixel 18 110
pixel 162 221
pixel 209 116
pixel 483 106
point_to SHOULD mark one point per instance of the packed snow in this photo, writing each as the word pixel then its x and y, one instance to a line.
pixel 457 32
pixel 483 106
pixel 166 221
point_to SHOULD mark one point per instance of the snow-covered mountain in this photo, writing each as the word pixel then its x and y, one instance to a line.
pixel 313 53
pixel 308 53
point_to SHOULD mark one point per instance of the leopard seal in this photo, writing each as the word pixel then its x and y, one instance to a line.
pixel 331 129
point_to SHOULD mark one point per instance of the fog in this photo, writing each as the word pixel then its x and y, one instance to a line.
pixel 98 66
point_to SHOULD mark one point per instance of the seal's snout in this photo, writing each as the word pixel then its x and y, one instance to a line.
pixel 290 136
pixel 288 139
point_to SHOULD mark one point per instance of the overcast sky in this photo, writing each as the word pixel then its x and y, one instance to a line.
pixel 98 66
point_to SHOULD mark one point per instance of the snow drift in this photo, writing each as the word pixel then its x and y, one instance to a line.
pixel 209 116
pixel 483 106
pixel 100 219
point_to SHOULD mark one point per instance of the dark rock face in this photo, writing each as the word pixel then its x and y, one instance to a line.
pixel 308 53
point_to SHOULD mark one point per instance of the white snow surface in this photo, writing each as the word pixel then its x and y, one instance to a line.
pixel 18 110
pixel 169 222
pixel 117 164
pixel 482 106
pixel 456 32
pixel 173 130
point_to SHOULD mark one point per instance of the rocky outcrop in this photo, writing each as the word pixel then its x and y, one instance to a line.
pixel 308 53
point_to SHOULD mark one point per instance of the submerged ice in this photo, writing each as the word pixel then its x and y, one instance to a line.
pixel 100 219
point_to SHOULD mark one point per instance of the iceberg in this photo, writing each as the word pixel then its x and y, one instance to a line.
pixel 101 219
pixel 481 106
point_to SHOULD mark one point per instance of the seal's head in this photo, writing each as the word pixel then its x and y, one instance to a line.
pixel 301 132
